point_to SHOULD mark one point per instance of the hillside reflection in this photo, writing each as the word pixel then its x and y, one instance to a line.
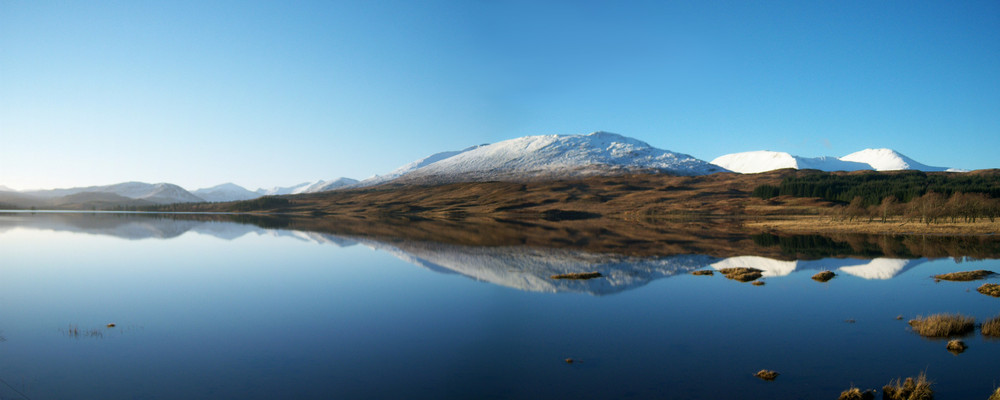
pixel 524 255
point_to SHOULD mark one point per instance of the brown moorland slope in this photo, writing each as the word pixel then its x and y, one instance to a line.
pixel 629 198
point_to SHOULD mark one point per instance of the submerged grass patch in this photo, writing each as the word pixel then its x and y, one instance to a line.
pixel 856 394
pixel 965 275
pixel 991 327
pixel 943 325
pixel 990 289
pixel 910 389
pixel 742 274
pixel 823 276
pixel 578 275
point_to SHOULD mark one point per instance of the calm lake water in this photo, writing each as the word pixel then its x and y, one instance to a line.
pixel 222 310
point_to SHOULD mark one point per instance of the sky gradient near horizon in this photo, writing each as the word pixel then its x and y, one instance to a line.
pixel 272 93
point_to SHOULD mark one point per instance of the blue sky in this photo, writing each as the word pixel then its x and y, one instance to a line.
pixel 267 93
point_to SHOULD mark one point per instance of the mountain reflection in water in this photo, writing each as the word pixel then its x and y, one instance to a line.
pixel 528 267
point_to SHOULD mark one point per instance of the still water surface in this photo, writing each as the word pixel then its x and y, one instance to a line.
pixel 206 310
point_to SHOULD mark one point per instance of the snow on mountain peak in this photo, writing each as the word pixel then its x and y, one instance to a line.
pixel 325 186
pixel 752 162
pixel 225 192
pixel 278 190
pixel 868 159
pixel 552 156
pixel 888 160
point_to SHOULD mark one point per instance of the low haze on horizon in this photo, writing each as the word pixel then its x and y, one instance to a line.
pixel 269 94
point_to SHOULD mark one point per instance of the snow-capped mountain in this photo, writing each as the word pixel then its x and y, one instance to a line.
pixel 889 160
pixel 870 159
pixel 326 186
pixel 6 189
pixel 225 192
pixel 278 190
pixel 761 161
pixel 160 193
pixel 548 156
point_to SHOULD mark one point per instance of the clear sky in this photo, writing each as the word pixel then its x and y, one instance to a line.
pixel 276 93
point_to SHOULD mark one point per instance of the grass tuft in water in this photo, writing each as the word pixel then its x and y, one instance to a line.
pixel 766 375
pixel 956 346
pixel 742 274
pixel 823 276
pixel 856 394
pixel 991 327
pixel 990 289
pixel 910 389
pixel 706 272
pixel 965 275
pixel 943 325
pixel 996 395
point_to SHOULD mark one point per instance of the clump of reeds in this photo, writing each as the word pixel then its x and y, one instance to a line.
pixel 956 346
pixel 990 289
pixel 824 276
pixel 943 325
pixel 996 395
pixel 910 389
pixel 758 283
pixel 578 275
pixel 742 274
pixel 991 327
pixel 856 394
pixel 766 375
pixel 965 275
pixel 703 272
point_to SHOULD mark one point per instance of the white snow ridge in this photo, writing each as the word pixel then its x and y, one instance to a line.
pixel 889 160
pixel 550 156
pixel 752 162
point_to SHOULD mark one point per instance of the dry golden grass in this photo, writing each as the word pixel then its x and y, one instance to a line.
pixel 856 394
pixel 758 283
pixel 578 275
pixel 991 327
pixel 766 375
pixel 810 224
pixel 989 289
pixel 706 272
pixel 956 346
pixel 910 389
pixel 943 325
pixel 995 395
pixel 741 274
pixel 965 275
pixel 823 276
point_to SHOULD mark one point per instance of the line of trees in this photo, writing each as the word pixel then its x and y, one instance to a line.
pixel 932 207
pixel 873 188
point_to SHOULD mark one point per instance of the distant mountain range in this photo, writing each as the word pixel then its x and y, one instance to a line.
pixel 524 158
